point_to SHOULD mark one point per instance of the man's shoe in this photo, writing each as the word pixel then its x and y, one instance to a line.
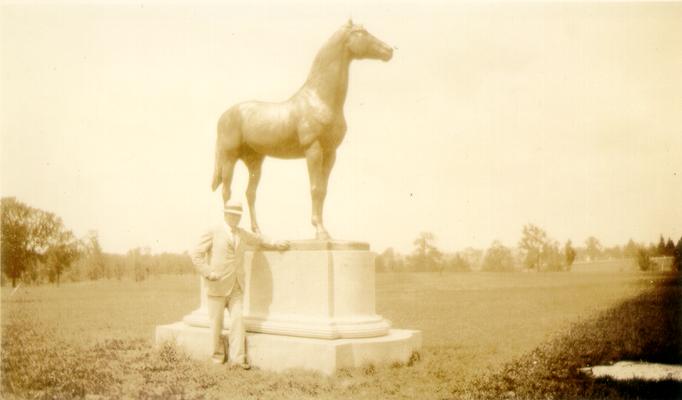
pixel 218 359
pixel 245 366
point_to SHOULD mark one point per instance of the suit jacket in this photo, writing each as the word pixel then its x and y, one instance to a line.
pixel 221 252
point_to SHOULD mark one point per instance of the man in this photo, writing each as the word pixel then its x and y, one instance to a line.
pixel 219 258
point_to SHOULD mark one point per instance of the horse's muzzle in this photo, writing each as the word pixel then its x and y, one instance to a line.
pixel 385 52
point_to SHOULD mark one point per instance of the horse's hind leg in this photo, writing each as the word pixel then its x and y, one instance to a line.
pixel 253 162
pixel 228 142
pixel 229 161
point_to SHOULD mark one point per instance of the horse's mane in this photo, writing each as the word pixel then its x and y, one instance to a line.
pixel 330 51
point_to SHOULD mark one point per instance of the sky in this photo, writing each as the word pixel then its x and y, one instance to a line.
pixel 489 116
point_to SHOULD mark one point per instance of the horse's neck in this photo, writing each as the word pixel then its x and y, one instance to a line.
pixel 328 78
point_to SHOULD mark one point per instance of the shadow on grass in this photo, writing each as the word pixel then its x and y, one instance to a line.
pixel 646 328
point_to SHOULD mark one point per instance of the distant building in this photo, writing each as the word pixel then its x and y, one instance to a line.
pixel 664 263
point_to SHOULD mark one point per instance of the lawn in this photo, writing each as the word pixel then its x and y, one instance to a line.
pixel 475 325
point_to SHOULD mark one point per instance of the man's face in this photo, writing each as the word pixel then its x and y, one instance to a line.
pixel 232 219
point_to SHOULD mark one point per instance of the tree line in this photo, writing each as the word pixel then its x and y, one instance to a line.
pixel 38 248
pixel 535 251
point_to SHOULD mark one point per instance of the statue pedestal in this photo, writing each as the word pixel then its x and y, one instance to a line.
pixel 311 306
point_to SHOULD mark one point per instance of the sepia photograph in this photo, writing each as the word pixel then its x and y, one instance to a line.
pixel 340 200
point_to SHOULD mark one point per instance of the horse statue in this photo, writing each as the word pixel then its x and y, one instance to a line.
pixel 310 124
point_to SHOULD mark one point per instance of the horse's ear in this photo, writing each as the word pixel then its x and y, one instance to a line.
pixel 350 22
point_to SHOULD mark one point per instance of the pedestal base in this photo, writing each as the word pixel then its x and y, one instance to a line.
pixel 278 352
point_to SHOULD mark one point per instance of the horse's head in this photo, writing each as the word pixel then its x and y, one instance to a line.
pixel 362 44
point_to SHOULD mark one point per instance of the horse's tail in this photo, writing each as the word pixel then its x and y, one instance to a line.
pixel 218 168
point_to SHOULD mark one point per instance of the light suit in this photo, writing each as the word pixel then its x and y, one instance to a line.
pixel 220 253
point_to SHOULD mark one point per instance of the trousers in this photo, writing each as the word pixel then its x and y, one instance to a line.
pixel 216 313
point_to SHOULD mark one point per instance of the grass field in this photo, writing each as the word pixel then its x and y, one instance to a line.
pixel 96 338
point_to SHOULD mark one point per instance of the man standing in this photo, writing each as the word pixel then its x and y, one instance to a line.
pixel 219 258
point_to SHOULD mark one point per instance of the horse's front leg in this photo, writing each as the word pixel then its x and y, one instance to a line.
pixel 253 162
pixel 318 188
pixel 328 159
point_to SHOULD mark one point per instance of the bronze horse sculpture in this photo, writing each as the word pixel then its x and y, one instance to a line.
pixel 310 124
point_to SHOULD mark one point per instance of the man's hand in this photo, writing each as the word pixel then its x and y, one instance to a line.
pixel 212 276
pixel 283 245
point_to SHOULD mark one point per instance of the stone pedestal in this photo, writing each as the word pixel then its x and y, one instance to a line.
pixel 311 306
pixel 279 352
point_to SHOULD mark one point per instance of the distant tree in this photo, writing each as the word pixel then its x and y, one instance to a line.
pixel 613 252
pixel 424 242
pixel 552 259
pixel 533 239
pixel 630 249
pixel 96 268
pixel 660 249
pixel 379 264
pixel 185 265
pixel 592 247
pixel 569 254
pixel 669 248
pixel 472 256
pixel 458 263
pixel 16 252
pixel 426 256
pixel 437 263
pixel 652 250
pixel 115 265
pixel 133 257
pixel 27 233
pixel 677 259
pixel 643 259
pixel 385 261
pixel 141 260
pixel 498 258
pixel 399 262
pixel 62 254
pixel 149 261
pixel 390 261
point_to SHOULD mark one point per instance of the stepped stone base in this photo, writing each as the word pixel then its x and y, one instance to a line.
pixel 279 352
pixel 310 307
